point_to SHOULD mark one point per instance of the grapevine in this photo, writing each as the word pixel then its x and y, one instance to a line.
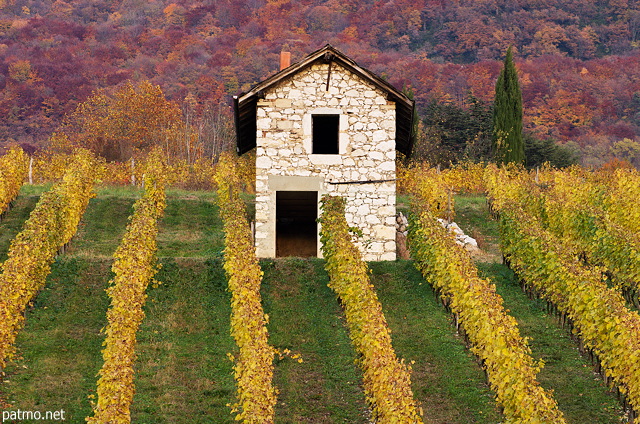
pixel 13 171
pixel 134 267
pixel 478 309
pixel 50 226
pixel 549 267
pixel 387 381
pixel 254 365
pixel 583 212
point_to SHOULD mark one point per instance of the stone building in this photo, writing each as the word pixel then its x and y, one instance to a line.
pixel 324 125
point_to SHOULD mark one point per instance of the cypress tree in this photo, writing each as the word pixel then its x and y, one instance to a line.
pixel 508 143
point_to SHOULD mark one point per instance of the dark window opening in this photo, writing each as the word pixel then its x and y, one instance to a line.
pixel 296 226
pixel 325 130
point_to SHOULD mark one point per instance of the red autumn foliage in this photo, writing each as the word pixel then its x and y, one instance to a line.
pixel 579 61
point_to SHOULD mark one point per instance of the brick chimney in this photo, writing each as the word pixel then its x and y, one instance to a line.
pixel 285 60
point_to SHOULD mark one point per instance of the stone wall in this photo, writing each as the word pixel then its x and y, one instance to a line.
pixel 366 152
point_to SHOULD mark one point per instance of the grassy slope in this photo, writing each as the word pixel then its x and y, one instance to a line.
pixel 306 319
pixel 446 378
pixel 183 374
pixel 61 342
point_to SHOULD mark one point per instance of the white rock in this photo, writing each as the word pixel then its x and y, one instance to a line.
pixel 376 155
pixel 379 135
pixel 472 241
pixel 377 247
pixel 263 162
pixel 388 256
pixel 455 229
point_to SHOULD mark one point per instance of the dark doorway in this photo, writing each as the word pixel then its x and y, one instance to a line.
pixel 296 226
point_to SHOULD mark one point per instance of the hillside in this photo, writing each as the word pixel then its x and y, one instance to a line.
pixel 183 374
pixel 578 60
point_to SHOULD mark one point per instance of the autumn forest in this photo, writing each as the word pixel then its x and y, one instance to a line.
pixel 578 62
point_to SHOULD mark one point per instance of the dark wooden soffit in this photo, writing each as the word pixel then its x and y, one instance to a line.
pixel 245 104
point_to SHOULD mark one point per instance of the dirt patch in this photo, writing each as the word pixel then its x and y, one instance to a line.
pixel 480 255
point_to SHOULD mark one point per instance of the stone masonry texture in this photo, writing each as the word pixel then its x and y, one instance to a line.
pixel 366 152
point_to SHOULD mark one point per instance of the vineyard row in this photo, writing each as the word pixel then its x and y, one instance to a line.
pixel 50 226
pixel 387 380
pixel 479 311
pixel 254 365
pixel 548 265
pixel 134 267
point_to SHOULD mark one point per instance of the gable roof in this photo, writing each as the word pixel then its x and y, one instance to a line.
pixel 246 103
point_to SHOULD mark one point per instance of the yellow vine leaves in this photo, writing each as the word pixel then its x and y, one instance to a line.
pixel 13 171
pixel 387 381
pixel 254 364
pixel 134 267
pixel 51 225
pixel 479 310
pixel 549 266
